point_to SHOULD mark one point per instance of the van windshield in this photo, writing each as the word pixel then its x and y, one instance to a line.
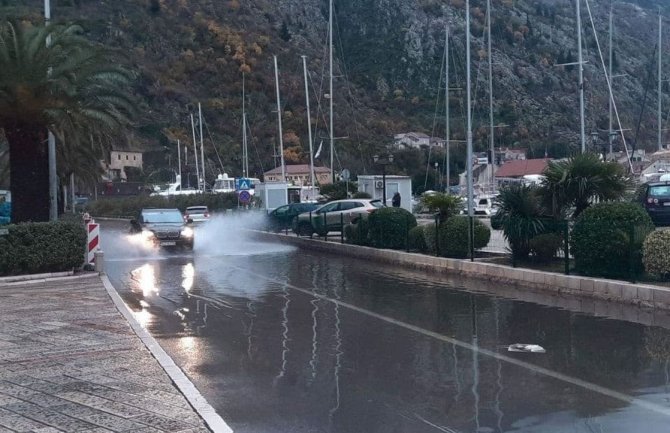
pixel 660 191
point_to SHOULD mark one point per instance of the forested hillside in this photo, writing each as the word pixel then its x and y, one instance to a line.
pixel 389 57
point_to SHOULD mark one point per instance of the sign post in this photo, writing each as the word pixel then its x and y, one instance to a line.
pixel 243 185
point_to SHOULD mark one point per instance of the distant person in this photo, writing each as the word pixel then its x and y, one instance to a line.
pixel 395 201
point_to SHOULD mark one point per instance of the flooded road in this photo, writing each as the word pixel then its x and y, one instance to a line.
pixel 283 340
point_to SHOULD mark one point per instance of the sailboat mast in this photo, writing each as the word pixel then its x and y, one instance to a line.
pixel 245 156
pixel 580 65
pixel 610 134
pixel 446 103
pixel 660 80
pixel 468 162
pixel 179 160
pixel 195 152
pixel 491 136
pixel 309 127
pixel 281 136
pixel 202 149
pixel 330 63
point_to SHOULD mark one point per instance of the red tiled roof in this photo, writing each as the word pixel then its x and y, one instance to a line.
pixel 522 167
pixel 298 169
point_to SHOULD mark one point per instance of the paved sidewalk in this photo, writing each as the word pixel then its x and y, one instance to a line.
pixel 70 362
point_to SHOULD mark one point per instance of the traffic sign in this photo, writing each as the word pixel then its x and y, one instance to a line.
pixel 244 196
pixel 243 184
pixel 346 175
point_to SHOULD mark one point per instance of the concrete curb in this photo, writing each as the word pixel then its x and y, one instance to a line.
pixel 598 288
pixel 181 381
pixel 42 278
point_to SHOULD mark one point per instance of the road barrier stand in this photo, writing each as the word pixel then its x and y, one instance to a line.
pixel 93 243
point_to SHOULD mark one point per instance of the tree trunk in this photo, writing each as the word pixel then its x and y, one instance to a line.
pixel 28 171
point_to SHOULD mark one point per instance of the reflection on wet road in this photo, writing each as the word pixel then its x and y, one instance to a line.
pixel 283 340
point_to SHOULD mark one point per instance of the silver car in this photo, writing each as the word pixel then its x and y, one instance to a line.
pixel 197 213
pixel 331 216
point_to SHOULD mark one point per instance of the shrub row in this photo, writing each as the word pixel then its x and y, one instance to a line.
pixel 396 228
pixel 607 239
pixel 42 247
pixel 131 206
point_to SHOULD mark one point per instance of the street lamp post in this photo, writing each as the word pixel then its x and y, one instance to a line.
pixel 383 162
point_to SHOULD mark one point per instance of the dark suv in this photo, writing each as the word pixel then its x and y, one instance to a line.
pixel 655 198
pixel 163 228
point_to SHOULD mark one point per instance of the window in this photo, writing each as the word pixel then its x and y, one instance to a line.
pixel 329 208
pixel 126 157
pixel 134 157
pixel 119 155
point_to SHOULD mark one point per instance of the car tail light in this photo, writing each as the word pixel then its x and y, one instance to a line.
pixel 650 200
pixel 655 201
pixel 371 210
pixel 206 214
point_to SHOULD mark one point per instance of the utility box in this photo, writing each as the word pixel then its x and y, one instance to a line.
pixel 374 185
pixel 272 195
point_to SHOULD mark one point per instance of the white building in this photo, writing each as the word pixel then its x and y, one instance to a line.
pixel 415 140
pixel 118 161
pixel 374 185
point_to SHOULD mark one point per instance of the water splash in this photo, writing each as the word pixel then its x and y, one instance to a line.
pixel 230 235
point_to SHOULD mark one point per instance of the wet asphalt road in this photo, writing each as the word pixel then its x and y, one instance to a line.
pixel 282 340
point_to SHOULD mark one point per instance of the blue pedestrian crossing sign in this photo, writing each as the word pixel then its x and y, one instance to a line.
pixel 243 184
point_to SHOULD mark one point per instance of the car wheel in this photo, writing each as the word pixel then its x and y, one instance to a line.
pixel 305 229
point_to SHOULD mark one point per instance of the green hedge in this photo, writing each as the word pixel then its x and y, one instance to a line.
pixel 454 236
pixel 544 246
pixel 607 239
pixel 656 253
pixel 357 234
pixel 417 239
pixel 131 206
pixel 34 248
pixel 389 227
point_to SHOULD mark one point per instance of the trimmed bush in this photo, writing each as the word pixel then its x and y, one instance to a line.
pixel 656 253
pixel 454 236
pixel 607 239
pixel 429 236
pixel 544 247
pixel 34 248
pixel 361 194
pixel 131 206
pixel 357 234
pixel 417 239
pixel 389 227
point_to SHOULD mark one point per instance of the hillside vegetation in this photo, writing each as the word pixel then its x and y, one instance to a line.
pixel 389 58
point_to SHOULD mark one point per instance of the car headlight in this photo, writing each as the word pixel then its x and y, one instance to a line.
pixel 147 234
pixel 187 232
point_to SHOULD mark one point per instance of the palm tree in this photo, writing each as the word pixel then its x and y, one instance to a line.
pixel 71 87
pixel 570 186
pixel 520 216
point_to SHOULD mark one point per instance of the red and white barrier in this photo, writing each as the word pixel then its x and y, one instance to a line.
pixel 93 243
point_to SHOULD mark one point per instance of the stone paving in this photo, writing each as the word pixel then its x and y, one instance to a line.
pixel 69 362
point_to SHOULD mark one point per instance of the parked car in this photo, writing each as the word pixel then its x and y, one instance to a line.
pixel 163 228
pixel 485 205
pixel 330 216
pixel 197 213
pixel 655 198
pixel 282 217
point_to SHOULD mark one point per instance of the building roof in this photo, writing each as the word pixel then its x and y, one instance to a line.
pixel 298 169
pixel 522 167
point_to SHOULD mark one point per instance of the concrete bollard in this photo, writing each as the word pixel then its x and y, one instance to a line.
pixel 99 261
